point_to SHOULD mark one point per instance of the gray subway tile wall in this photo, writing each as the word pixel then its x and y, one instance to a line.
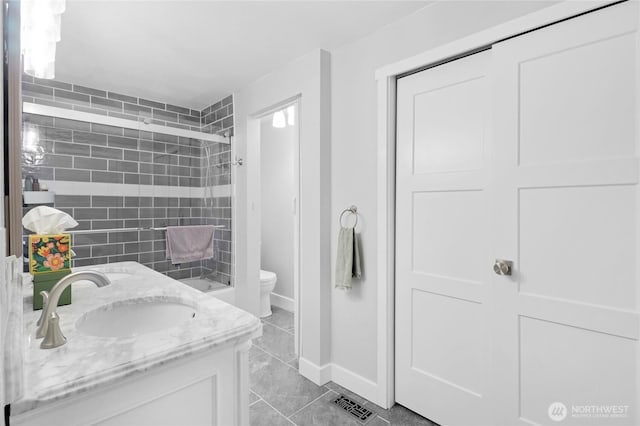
pixel 218 118
pixel 80 98
pixel 76 151
pixel 147 247
pixel 165 159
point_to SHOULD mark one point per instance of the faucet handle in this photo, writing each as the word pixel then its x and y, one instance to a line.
pixel 53 337
pixel 49 326
pixel 45 301
pixel 43 321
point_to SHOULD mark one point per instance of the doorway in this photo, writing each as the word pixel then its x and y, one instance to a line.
pixel 279 211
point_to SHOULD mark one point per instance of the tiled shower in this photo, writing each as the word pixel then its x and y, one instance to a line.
pixel 65 152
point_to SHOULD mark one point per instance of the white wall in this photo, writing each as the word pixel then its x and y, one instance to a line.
pixel 354 156
pixel 277 150
pixel 306 78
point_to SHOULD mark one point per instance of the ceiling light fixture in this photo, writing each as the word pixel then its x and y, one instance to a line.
pixel 40 31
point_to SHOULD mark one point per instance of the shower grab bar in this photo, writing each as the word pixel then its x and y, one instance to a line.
pixel 91 231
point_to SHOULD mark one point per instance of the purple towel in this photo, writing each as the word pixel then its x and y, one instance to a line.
pixel 189 243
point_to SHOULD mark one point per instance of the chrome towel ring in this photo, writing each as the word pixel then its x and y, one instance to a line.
pixel 354 211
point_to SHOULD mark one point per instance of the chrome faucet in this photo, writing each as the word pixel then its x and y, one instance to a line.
pixel 49 322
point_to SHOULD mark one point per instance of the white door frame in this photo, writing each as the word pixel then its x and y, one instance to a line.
pixel 386 145
pixel 253 121
pixel 309 76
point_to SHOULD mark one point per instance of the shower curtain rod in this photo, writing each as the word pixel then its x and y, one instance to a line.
pixel 91 231
pixel 71 114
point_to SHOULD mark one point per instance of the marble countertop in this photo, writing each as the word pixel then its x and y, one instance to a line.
pixel 86 362
pixel 11 336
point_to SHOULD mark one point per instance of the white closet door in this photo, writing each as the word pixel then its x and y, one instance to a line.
pixel 443 253
pixel 565 175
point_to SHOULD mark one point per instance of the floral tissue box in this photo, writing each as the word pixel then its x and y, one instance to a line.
pixel 49 253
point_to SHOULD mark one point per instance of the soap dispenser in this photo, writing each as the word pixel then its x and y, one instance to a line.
pixel 28 183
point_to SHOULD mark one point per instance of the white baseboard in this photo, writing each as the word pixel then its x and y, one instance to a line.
pixel 319 375
pixel 283 302
pixel 355 383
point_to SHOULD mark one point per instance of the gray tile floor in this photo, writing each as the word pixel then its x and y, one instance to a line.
pixel 281 396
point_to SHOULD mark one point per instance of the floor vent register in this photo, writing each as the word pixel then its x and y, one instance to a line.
pixel 353 408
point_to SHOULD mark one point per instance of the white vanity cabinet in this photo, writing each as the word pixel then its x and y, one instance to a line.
pixel 210 388
pixel 191 370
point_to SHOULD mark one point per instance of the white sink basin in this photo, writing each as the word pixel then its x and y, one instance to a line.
pixel 134 317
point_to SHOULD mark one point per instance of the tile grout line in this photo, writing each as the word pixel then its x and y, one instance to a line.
pixel 279 328
pixel 283 361
pixel 296 412
pixel 260 398
pixel 279 359
pixel 275 409
pixel 252 392
pixel 376 407
pixel 276 357
pixel 302 408
pixel 257 400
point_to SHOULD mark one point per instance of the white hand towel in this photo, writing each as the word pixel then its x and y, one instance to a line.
pixel 357 268
pixel 348 258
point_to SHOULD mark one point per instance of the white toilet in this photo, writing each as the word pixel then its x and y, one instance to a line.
pixel 267 284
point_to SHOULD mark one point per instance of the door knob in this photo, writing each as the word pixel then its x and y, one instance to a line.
pixel 502 267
